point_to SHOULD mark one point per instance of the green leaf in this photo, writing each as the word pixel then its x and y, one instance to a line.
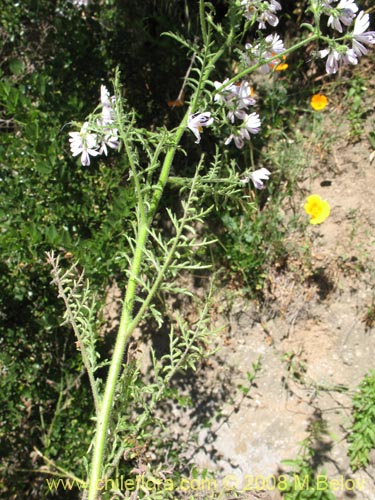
pixel 16 66
pixel 43 168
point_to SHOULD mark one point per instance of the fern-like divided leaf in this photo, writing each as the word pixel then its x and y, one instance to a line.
pixel 81 310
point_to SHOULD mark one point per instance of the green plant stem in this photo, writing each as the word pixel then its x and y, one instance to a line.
pixel 166 381
pixel 207 68
pixel 136 180
pixel 202 18
pixel 169 256
pixel 126 324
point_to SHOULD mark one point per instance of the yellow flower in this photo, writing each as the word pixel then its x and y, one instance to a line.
pixel 318 102
pixel 277 64
pixel 317 208
pixel 282 66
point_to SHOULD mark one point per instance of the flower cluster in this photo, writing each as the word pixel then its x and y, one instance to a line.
pixel 237 99
pixel 268 48
pixel 80 3
pixel 95 138
pixel 250 124
pixel 345 14
pixel 261 11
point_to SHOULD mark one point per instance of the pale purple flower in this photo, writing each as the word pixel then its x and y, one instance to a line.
pixel 344 13
pixel 270 47
pixel 332 63
pixel 237 138
pixel 251 124
pixel 238 113
pixel 111 140
pixel 83 143
pixel 258 176
pixel 361 37
pixel 227 93
pixel 350 57
pixel 274 44
pixel 197 121
pixel 244 96
pixel 237 98
pixel 269 16
pixel 107 106
pixel 334 58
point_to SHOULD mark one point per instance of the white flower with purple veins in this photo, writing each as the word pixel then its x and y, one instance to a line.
pixel 344 13
pixel 251 124
pixel 83 143
pixel 197 121
pixel 227 93
pixel 258 176
pixel 332 63
pixel 361 37
pixel 111 140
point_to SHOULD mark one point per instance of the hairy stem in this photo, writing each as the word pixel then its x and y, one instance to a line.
pixel 127 326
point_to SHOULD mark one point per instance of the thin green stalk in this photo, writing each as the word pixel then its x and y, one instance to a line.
pixel 207 68
pixel 168 258
pixel 202 18
pixel 126 325
pixel 136 180
pixel 166 381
